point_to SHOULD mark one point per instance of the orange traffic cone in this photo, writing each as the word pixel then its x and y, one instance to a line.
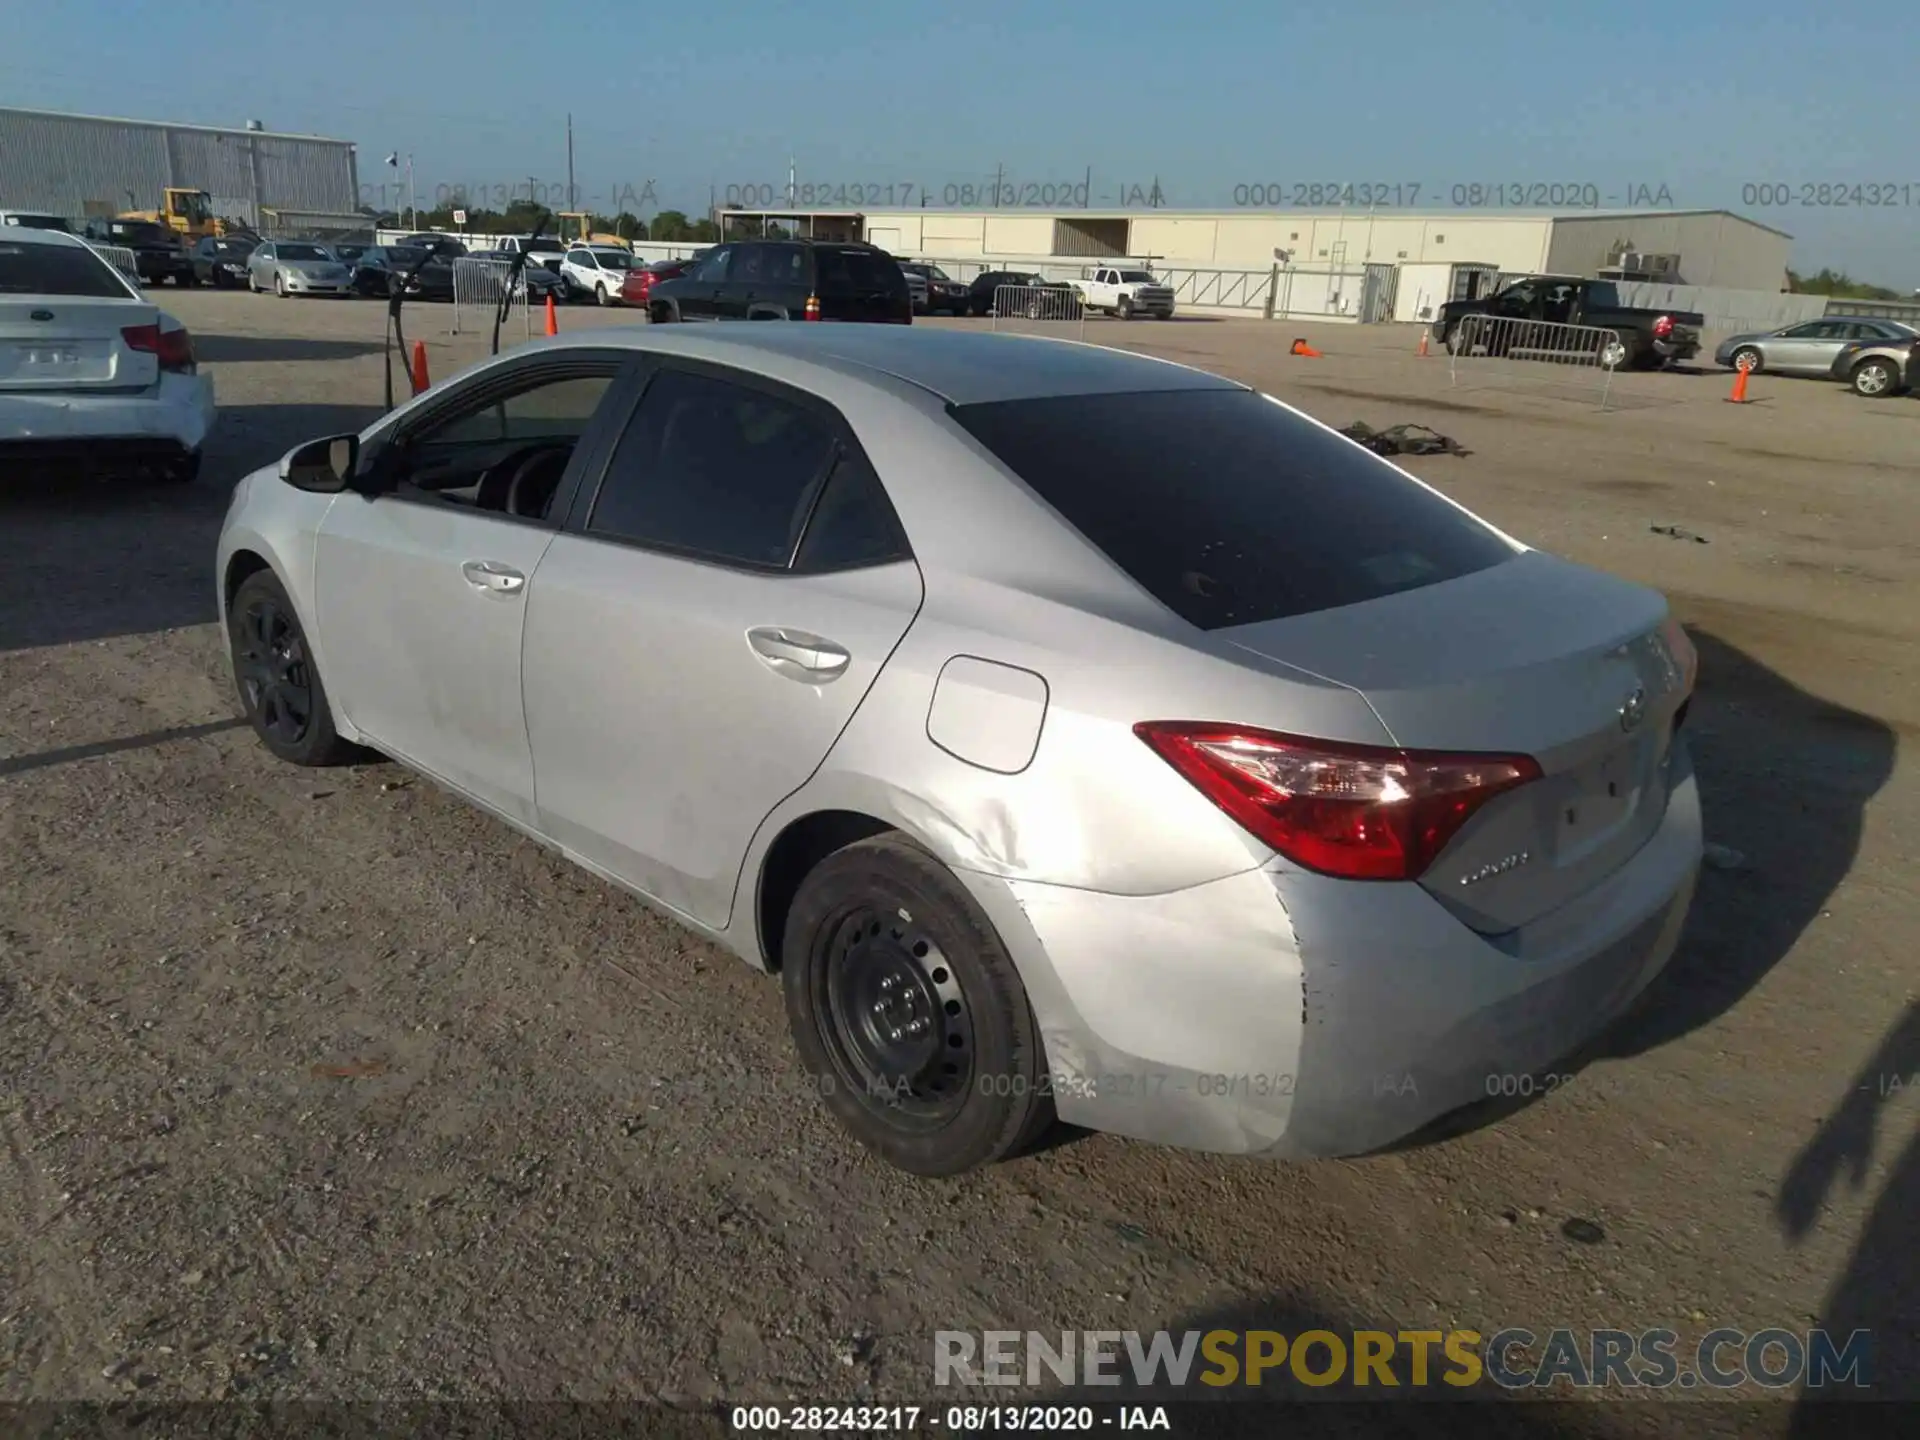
pixel 553 316
pixel 1739 396
pixel 1423 344
pixel 420 381
pixel 1300 347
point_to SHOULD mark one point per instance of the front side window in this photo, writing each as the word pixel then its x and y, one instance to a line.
pixel 505 451
pixel 715 469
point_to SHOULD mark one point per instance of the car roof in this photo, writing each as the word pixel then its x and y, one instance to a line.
pixel 961 367
pixel 31 236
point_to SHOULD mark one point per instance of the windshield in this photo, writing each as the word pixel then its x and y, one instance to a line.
pixel 1137 277
pixel 138 233
pixel 613 259
pixel 934 272
pixel 57 270
pixel 302 252
pixel 349 252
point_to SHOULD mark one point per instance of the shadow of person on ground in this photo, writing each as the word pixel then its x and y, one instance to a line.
pixel 88 559
pixel 1879 1290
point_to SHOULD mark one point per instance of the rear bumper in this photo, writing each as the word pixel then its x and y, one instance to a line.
pixel 1290 1015
pixel 107 431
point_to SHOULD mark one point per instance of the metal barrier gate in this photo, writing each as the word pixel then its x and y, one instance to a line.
pixel 1542 352
pixel 1040 303
pixel 121 259
pixel 479 284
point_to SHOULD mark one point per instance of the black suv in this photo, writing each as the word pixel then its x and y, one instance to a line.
pixel 787 280
pixel 158 253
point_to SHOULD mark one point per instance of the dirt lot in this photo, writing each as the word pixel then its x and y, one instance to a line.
pixel 323 1085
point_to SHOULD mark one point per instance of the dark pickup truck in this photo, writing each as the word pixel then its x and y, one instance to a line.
pixel 158 252
pixel 1648 338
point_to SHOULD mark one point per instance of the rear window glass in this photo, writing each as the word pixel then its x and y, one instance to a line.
pixel 1226 507
pixel 57 270
pixel 1601 295
pixel 861 270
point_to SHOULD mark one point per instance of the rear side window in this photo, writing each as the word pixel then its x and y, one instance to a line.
pixel 853 525
pixel 1601 295
pixel 715 469
pixel 58 270
pixel 1226 507
pixel 857 271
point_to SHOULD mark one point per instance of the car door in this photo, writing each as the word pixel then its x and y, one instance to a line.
pixel 705 628
pixel 421 587
pixel 1797 350
pixel 260 265
pixel 739 296
pixel 702 286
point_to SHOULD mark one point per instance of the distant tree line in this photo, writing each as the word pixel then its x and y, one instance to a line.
pixel 520 216
pixel 1841 286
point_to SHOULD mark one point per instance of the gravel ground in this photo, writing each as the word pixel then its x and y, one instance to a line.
pixel 323 1086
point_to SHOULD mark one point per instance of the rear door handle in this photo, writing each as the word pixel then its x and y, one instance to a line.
pixel 493 576
pixel 797 654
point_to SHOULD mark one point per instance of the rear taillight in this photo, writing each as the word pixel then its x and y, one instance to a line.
pixel 813 307
pixel 1358 812
pixel 173 347
pixel 1663 327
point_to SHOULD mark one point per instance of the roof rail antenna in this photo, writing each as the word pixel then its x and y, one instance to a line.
pixel 514 271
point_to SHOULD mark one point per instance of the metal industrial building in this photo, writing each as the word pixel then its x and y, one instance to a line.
pixel 87 165
pixel 1701 247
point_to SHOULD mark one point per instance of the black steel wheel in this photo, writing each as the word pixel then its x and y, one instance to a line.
pixel 279 685
pixel 909 1013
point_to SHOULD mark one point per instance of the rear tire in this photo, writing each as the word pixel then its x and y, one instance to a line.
pixel 1748 359
pixel 279 685
pixel 1876 379
pixel 909 1014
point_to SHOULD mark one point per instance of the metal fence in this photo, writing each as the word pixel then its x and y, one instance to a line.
pixel 121 259
pixel 1496 349
pixel 1040 304
pixel 478 286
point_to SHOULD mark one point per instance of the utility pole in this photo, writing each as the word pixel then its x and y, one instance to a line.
pixel 413 196
pixel 999 173
pixel 1087 204
pixel 573 197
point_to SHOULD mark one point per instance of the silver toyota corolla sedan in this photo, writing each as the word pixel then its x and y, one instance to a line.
pixel 296 267
pixel 1075 733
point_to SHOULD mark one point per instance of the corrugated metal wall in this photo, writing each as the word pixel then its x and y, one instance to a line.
pixel 77 165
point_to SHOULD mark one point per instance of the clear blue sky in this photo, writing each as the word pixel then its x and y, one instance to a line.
pixel 1207 96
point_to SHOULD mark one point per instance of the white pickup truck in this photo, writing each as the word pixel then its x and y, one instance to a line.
pixel 1125 293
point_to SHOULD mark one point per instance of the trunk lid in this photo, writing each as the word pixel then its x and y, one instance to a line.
pixel 73 343
pixel 1534 656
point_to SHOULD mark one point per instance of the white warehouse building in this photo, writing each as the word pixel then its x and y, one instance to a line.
pixel 1355 264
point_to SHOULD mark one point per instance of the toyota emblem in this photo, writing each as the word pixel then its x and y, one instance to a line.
pixel 1634 709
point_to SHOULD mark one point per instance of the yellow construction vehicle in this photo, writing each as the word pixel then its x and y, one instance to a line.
pixel 577 232
pixel 190 212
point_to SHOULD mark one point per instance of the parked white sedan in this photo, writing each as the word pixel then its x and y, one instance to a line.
pixel 94 378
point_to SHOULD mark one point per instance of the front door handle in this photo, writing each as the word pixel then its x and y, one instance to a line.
pixel 492 576
pixel 797 654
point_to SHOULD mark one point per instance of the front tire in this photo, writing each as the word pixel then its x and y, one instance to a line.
pixel 1124 310
pixel 279 686
pixel 600 293
pixel 280 285
pixel 909 1014
pixel 1748 359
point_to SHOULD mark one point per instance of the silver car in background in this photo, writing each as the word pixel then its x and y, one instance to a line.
pixel 1077 734
pixel 1810 347
pixel 297 267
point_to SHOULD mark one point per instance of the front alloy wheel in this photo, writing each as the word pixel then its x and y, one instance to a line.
pixel 279 686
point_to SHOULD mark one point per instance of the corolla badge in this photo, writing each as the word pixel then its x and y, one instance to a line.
pixel 1634 709
pixel 1498 867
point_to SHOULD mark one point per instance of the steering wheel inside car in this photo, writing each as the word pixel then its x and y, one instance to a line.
pixel 498 482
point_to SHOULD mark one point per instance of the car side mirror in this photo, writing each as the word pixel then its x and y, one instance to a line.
pixel 324 466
